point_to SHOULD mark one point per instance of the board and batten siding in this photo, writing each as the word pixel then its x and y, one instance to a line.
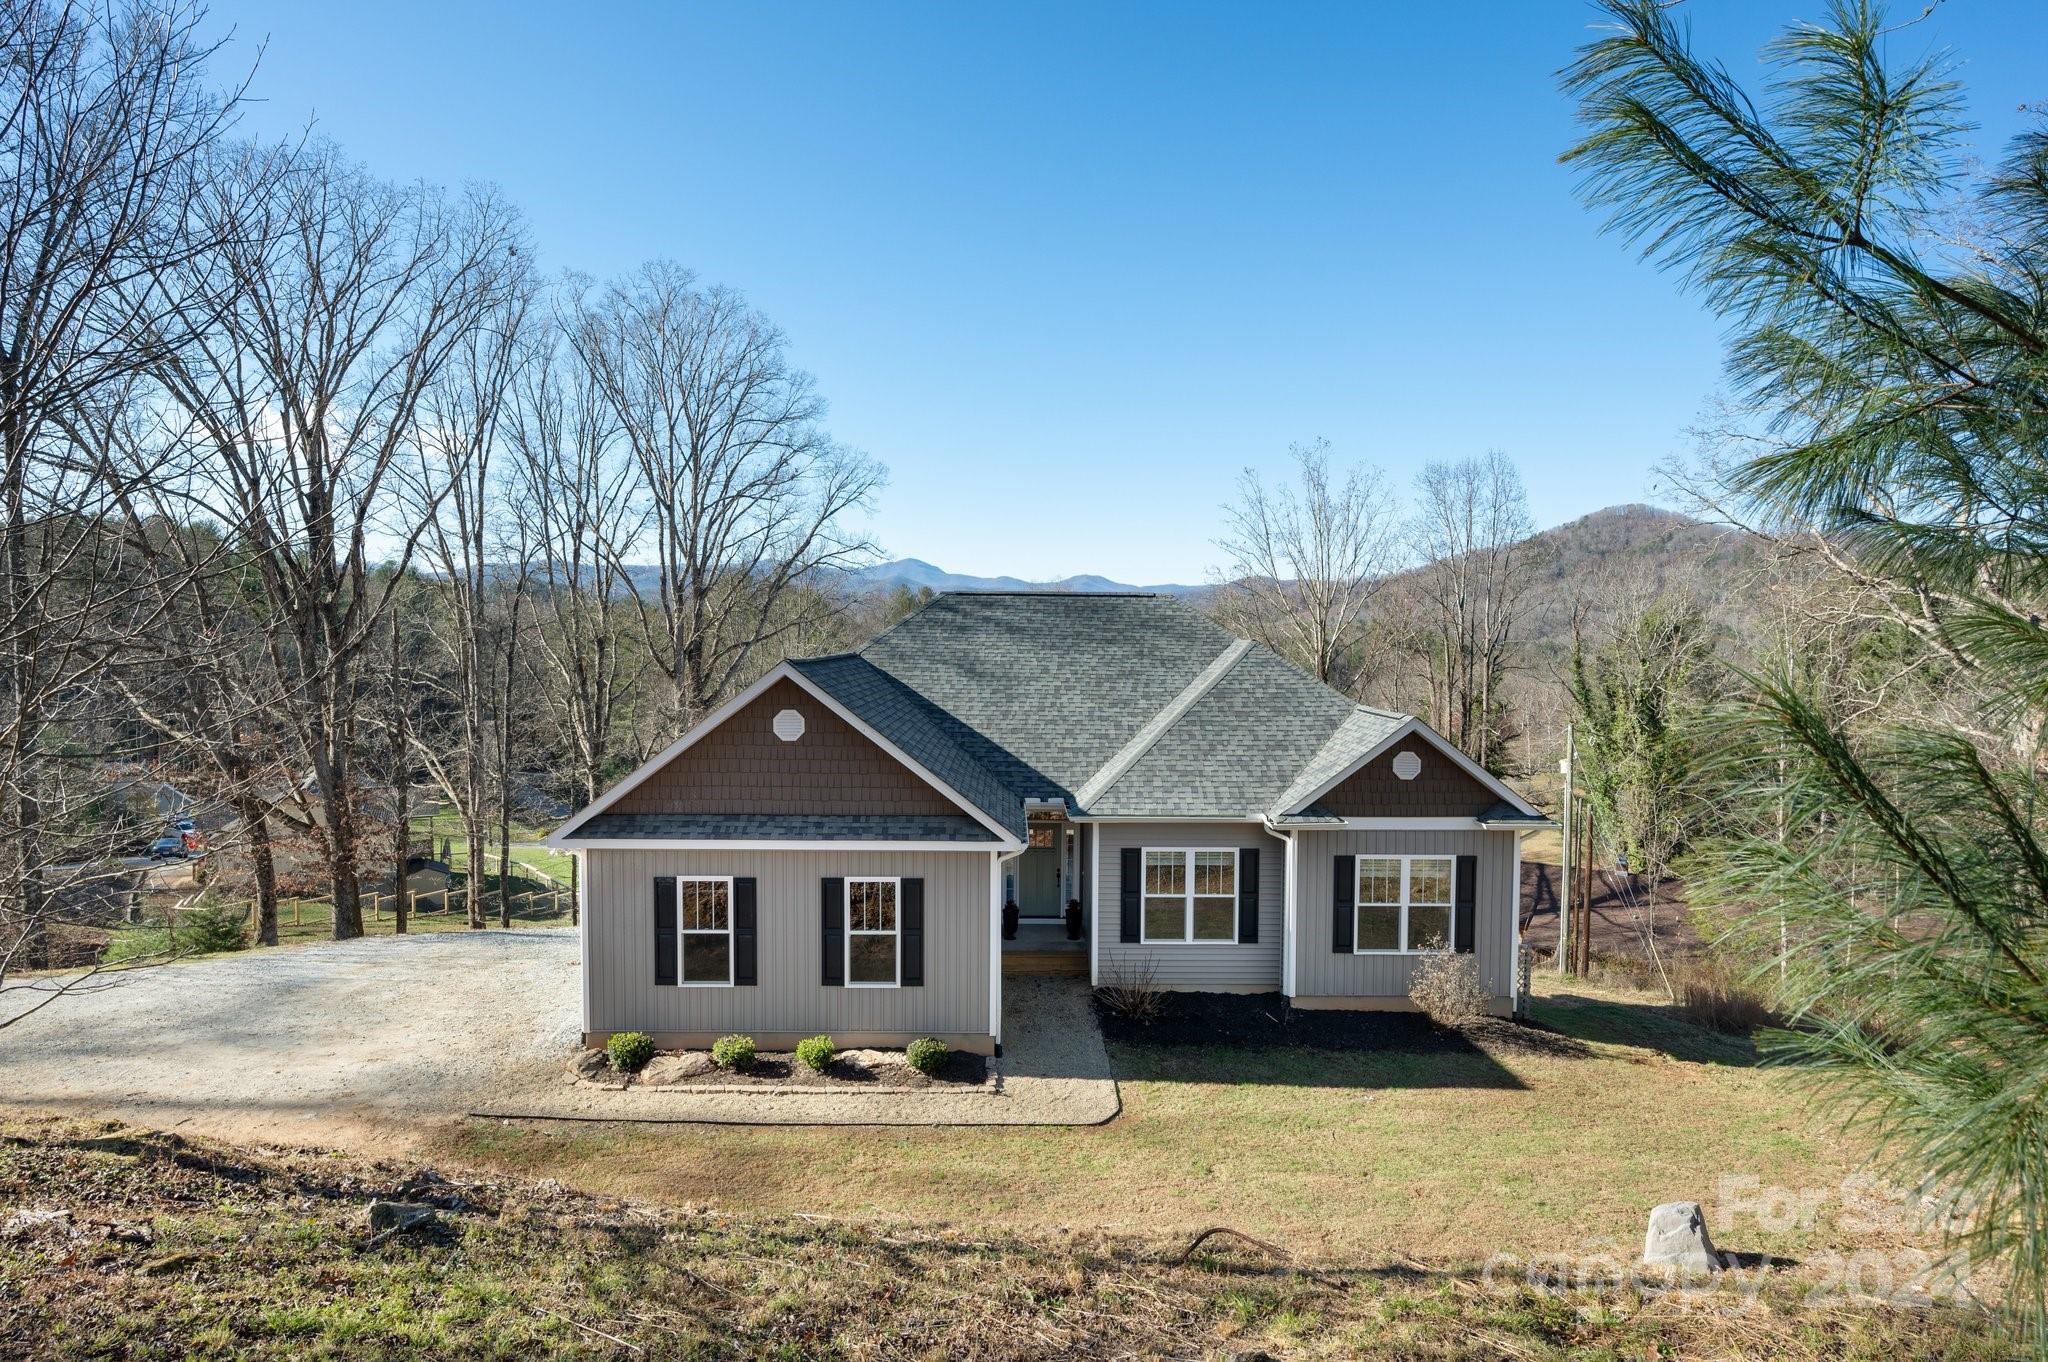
pixel 789 1000
pixel 1191 965
pixel 1320 972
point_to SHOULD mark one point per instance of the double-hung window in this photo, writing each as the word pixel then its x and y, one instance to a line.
pixel 704 907
pixel 874 940
pixel 1190 896
pixel 1403 904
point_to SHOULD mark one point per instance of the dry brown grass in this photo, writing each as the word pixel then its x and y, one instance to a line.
pixel 183 1249
pixel 1712 994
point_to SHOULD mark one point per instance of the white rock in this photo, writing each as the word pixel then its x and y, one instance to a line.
pixel 1677 1237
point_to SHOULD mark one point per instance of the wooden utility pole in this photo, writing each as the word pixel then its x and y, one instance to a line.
pixel 1584 935
pixel 1563 891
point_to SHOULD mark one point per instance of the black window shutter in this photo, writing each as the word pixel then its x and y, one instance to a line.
pixel 833 923
pixel 1344 901
pixel 743 954
pixel 910 907
pixel 1133 887
pixel 1248 895
pixel 1465 898
pixel 664 929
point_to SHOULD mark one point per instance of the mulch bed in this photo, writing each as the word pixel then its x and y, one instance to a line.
pixel 783 1071
pixel 1260 1020
pixel 774 1071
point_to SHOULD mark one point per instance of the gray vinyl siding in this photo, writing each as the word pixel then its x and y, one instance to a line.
pixel 1321 972
pixel 1187 964
pixel 619 946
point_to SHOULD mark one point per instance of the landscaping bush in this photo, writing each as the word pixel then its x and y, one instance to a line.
pixel 733 1052
pixel 816 1053
pixel 629 1051
pixel 927 1055
pixel 1133 993
pixel 1446 986
pixel 212 928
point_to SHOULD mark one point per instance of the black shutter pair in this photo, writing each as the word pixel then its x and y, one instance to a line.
pixel 832 931
pixel 1131 896
pixel 744 954
pixel 1344 903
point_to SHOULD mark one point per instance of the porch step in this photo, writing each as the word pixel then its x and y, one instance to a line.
pixel 1068 963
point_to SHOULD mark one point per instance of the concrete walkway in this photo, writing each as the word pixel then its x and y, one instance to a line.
pixel 1054 1072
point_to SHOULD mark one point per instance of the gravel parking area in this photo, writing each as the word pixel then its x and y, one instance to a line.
pixel 309 1044
pixel 364 1042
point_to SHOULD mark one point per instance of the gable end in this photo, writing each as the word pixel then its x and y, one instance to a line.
pixel 1440 789
pixel 743 767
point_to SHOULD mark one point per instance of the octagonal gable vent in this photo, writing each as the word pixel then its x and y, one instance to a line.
pixel 1407 765
pixel 789 725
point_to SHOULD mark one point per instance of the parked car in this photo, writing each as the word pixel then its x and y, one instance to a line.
pixel 169 847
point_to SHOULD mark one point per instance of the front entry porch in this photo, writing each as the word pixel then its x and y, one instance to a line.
pixel 1043 948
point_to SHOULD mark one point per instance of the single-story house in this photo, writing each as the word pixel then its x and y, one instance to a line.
pixel 832 850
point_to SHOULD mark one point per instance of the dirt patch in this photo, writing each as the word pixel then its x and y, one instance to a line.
pixel 1263 1020
pixel 1623 914
pixel 852 1070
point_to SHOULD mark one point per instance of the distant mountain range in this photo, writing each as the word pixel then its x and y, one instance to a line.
pixel 1647 544
pixel 916 573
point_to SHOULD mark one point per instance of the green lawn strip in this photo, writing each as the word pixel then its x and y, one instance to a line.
pixel 264 1255
pixel 1335 1154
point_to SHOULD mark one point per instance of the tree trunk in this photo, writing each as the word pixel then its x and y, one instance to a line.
pixel 256 824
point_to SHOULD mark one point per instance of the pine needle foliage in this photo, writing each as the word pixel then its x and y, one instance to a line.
pixel 1889 308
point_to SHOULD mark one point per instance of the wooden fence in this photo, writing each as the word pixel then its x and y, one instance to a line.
pixel 297 910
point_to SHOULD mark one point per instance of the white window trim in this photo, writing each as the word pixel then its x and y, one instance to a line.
pixel 1358 901
pixel 846 909
pixel 1188 896
pixel 683 933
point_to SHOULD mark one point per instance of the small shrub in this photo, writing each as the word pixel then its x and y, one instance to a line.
pixel 927 1055
pixel 212 928
pixel 1712 995
pixel 733 1052
pixel 816 1053
pixel 629 1051
pixel 1132 991
pixel 1446 986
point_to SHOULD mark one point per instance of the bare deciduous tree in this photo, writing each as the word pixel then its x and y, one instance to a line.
pixel 573 488
pixel 102 110
pixel 747 492
pixel 1305 564
pixel 1473 535
pixel 335 304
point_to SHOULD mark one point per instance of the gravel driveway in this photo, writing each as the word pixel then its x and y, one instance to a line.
pixel 366 1042
pixel 310 1044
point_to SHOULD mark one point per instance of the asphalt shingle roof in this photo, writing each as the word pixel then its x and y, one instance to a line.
pixel 1058 682
pixel 1132 705
pixel 1235 749
pixel 925 734
pixel 748 827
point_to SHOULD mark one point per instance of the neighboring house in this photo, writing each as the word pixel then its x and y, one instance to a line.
pixel 831 850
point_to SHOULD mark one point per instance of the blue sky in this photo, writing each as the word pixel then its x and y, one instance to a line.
pixel 1067 269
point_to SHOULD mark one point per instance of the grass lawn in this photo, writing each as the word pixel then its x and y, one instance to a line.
pixel 307 921
pixel 557 865
pixel 1346 1157
pixel 153 1246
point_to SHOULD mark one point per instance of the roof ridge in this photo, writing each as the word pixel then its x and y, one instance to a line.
pixel 1158 725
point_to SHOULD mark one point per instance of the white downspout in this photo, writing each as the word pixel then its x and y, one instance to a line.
pixel 995 942
pixel 1287 928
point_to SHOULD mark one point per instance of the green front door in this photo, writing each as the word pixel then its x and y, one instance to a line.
pixel 1038 882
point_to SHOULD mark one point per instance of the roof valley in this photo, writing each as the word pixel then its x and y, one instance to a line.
pixel 1159 724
